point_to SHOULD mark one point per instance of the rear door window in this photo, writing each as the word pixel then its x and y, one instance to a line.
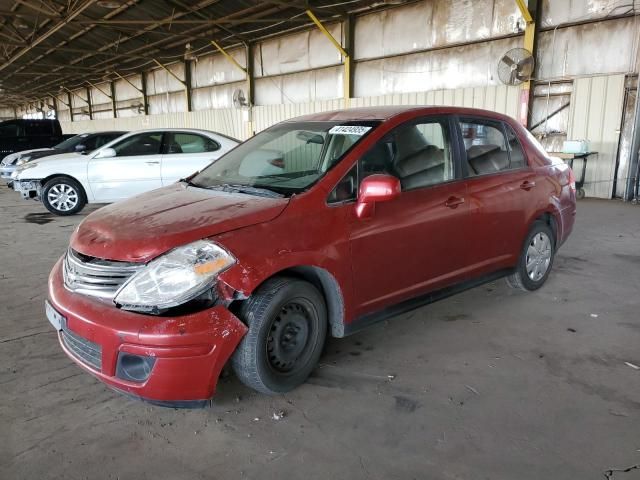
pixel 179 142
pixel 485 145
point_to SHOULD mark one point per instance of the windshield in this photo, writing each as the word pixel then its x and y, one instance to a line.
pixel 287 158
pixel 71 142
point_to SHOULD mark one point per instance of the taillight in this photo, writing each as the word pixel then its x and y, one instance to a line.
pixel 572 180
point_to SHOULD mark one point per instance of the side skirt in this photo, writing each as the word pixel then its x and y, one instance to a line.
pixel 370 318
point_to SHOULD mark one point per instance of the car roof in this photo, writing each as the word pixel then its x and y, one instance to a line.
pixel 188 130
pixel 388 111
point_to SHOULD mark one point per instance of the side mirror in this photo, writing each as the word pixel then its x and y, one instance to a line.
pixel 80 148
pixel 105 153
pixel 373 189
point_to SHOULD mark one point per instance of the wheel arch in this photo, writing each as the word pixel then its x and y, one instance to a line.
pixel 44 181
pixel 328 286
pixel 550 219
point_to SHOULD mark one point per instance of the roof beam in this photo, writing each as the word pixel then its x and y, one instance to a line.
pixel 64 21
pixel 47 12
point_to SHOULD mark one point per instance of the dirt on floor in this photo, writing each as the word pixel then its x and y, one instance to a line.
pixel 490 384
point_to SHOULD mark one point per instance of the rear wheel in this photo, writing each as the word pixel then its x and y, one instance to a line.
pixel 535 260
pixel 63 196
pixel 287 322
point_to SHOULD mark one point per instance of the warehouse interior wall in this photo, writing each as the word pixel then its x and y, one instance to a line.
pixel 428 51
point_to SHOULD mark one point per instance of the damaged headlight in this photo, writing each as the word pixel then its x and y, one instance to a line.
pixel 24 159
pixel 174 278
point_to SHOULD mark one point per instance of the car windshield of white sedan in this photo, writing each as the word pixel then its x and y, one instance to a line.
pixel 71 142
pixel 286 159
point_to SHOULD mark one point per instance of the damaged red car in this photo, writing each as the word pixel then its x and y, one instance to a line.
pixel 317 226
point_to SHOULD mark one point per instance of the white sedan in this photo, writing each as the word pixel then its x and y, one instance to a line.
pixel 132 164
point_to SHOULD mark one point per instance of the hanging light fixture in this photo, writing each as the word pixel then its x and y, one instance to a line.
pixel 188 53
pixel 109 4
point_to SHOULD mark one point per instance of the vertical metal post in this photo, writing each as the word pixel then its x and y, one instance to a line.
pixel 89 103
pixel 250 87
pixel 55 106
pixel 349 40
pixel 249 73
pixel 187 84
pixel 145 99
pixel 343 52
pixel 70 100
pixel 528 10
pixel 114 104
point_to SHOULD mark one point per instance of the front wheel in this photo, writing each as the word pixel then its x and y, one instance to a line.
pixel 535 260
pixel 287 320
pixel 63 196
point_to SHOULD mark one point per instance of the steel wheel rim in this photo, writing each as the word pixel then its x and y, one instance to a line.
pixel 63 197
pixel 289 341
pixel 538 256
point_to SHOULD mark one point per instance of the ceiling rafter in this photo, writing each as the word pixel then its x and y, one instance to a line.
pixel 149 52
pixel 97 41
pixel 42 37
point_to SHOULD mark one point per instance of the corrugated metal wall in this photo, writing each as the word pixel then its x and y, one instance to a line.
pixel 234 122
pixel 428 51
pixel 596 115
pixel 225 120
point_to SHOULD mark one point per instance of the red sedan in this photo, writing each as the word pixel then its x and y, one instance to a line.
pixel 320 225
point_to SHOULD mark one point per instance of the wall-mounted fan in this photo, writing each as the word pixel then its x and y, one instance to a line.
pixel 239 98
pixel 516 66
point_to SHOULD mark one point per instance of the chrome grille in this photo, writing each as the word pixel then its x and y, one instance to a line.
pixel 95 276
pixel 84 350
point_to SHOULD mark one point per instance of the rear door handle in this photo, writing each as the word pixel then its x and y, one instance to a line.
pixel 453 202
pixel 527 185
pixel 152 163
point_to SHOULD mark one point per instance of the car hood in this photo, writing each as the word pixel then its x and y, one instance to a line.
pixel 43 152
pixel 61 156
pixel 143 227
pixel 13 157
pixel 51 164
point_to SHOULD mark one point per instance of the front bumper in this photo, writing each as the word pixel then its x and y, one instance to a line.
pixel 189 351
pixel 27 188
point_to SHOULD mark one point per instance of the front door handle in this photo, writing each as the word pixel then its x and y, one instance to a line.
pixel 453 202
pixel 527 185
pixel 152 162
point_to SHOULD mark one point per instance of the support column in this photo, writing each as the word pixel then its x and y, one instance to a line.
pixel 349 41
pixel 530 13
pixel 248 74
pixel 69 99
pixel 145 98
pixel 88 90
pixel 183 82
pixel 343 52
pixel 114 103
pixel 187 82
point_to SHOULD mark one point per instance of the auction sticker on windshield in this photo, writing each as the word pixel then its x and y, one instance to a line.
pixel 349 130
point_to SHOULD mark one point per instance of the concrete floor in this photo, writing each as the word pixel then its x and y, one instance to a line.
pixel 491 384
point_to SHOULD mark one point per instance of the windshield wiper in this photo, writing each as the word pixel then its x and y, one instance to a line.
pixel 239 188
pixel 252 190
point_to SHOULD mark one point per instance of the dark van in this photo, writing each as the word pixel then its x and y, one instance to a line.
pixel 25 134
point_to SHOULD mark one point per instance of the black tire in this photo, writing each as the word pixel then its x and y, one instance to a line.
pixel 521 279
pixel 287 320
pixel 69 187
